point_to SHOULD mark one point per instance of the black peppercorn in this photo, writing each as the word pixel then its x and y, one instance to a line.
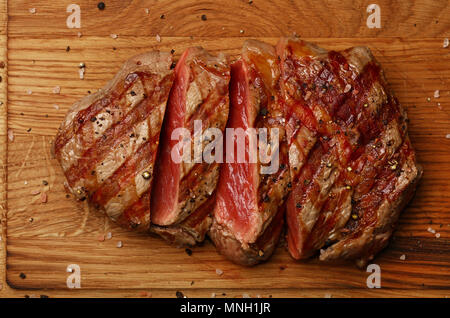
pixel 101 5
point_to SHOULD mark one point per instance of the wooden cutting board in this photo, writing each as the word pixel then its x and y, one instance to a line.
pixel 40 53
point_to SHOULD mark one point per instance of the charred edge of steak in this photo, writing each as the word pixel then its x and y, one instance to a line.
pixel 251 254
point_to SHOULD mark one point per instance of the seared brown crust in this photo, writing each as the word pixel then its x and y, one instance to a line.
pixel 258 70
pixel 251 254
pixel 352 165
pixel 200 92
pixel 107 143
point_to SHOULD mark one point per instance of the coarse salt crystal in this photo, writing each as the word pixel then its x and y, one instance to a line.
pixel 447 136
pixel 438 235
pixel 403 257
pixel 436 94
pixel 219 272
pixel 25 182
pixel 79 34
pixel 431 230
pixel 32 10
pixel 147 10
pixel 158 38
pixel 245 295
pixel 44 197
pixel 11 135
pixel 108 235
pixel 55 106
pixel 29 92
pixel 114 36
pixel 327 296
pixel 347 88
pixel 119 244
pixel 56 90
pixel 446 43
pixel 81 73
pixel 213 295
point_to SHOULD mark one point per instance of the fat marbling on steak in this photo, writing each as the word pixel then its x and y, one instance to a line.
pixel 352 165
pixel 183 194
pixel 107 143
pixel 249 210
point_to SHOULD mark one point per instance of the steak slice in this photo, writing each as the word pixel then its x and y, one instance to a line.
pixel 107 143
pixel 249 211
pixel 181 198
pixel 352 165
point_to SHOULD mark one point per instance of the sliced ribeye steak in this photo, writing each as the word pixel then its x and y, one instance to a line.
pixel 107 143
pixel 249 210
pixel 185 185
pixel 352 165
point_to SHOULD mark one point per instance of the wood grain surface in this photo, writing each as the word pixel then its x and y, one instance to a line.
pixel 40 53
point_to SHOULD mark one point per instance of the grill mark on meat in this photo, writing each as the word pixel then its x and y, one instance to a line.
pixel 124 175
pixel 200 92
pixel 109 140
pixel 82 125
pixel 249 211
pixel 363 128
pixel 110 170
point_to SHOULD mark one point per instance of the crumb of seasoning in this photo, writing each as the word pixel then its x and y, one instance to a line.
pixel 213 295
pixel 147 10
pixel 101 5
pixel 250 1
pixel 35 192
pixel 79 34
pixel 327 296
pixel 428 99
pixel 403 257
pixel 29 92
pixel 446 43
pixel 447 136
pixel 108 235
pixel 29 130
pixel 32 10
pixel 67 48
pixel 101 238
pixel 204 17
pixel 81 73
pixel 30 220
pixel 113 36
pixel 22 275
pixel 44 197
pixel 347 88
pixel 179 294
pixel 436 94
pixel 241 31
pixel 11 135
pixel 55 106
pixel 158 38
pixel 431 230
pixel 188 251
pixel 119 244
pixel 162 16
pixel 245 295
pixel 219 271
pixel 56 90
pixel 438 235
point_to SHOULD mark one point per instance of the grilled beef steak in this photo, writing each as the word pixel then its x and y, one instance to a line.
pixel 249 211
pixel 352 165
pixel 107 143
pixel 182 195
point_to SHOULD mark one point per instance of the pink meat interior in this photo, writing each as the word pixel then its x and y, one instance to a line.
pixel 236 205
pixel 167 177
